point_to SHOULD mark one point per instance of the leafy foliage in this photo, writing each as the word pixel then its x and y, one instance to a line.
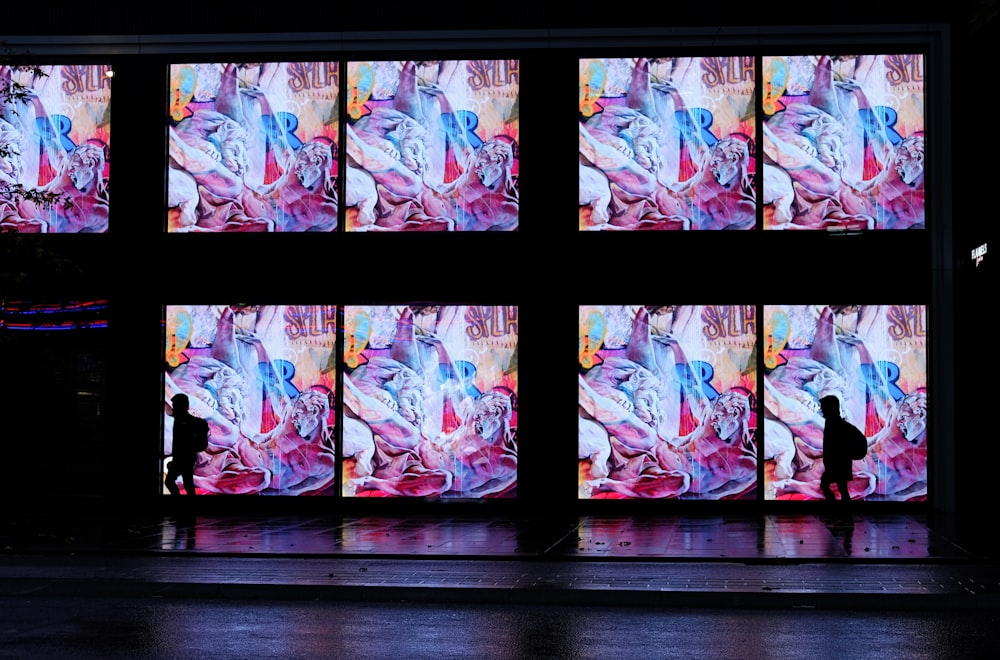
pixel 12 95
pixel 28 267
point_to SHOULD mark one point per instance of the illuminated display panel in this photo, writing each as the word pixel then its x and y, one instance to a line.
pixel 432 146
pixel 667 144
pixel 264 378
pixel 874 359
pixel 253 147
pixel 430 401
pixel 55 142
pixel 843 140
pixel 668 402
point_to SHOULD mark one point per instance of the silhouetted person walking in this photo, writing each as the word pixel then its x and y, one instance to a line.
pixel 837 467
pixel 190 437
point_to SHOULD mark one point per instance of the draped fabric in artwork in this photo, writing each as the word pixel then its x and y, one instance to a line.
pixel 433 145
pixel 55 148
pixel 430 401
pixel 667 143
pixel 873 359
pixel 264 377
pixel 668 402
pixel 253 147
pixel 843 142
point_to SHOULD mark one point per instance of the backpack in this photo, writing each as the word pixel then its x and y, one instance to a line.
pixel 199 434
pixel 857 443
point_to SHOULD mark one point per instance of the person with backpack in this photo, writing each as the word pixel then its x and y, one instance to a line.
pixel 190 437
pixel 838 437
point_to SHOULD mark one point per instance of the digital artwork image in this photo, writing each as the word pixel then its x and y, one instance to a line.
pixel 667 402
pixel 253 147
pixel 843 142
pixel 667 144
pixel 432 146
pixel 264 378
pixel 55 146
pixel 430 401
pixel 873 359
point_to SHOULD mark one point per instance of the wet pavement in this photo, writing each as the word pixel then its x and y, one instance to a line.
pixel 891 561
pixel 224 628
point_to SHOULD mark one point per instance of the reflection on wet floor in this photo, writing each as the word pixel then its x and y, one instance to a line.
pixel 728 560
pixel 690 537
pixel 793 537
pixel 774 536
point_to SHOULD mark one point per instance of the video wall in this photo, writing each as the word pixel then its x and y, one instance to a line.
pixel 429 146
pixel 55 148
pixel 672 143
pixel 669 400
pixel 420 400
pixel 429 398
pixel 712 142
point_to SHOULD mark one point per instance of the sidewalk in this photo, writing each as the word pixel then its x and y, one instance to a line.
pixel 882 562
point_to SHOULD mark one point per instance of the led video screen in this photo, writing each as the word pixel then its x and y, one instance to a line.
pixel 430 401
pixel 264 378
pixel 432 146
pixel 667 143
pixel 253 147
pixel 843 140
pixel 667 402
pixel 55 142
pixel 873 359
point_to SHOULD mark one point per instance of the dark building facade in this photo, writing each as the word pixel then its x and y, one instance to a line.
pixel 110 452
